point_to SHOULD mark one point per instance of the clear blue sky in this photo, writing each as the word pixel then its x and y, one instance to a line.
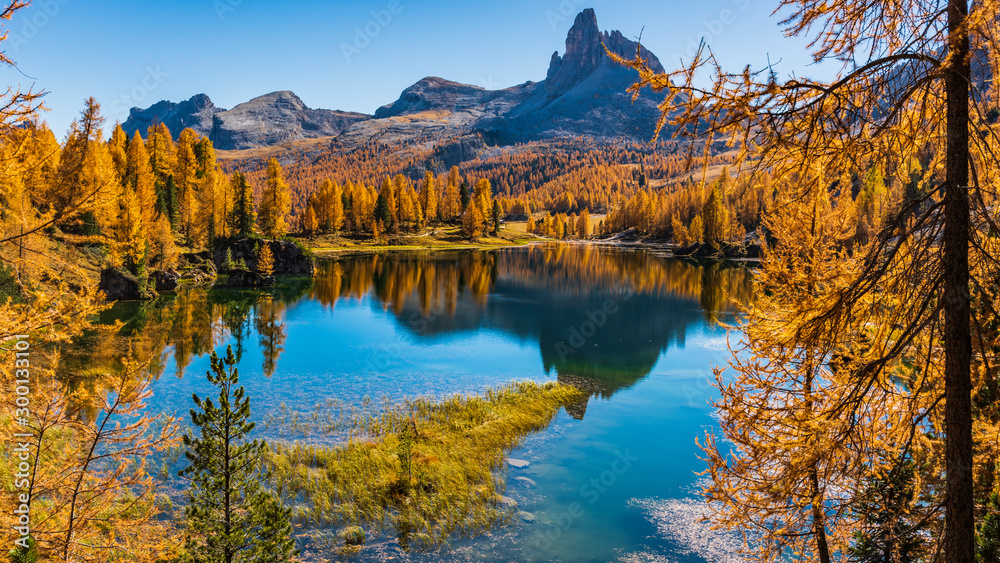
pixel 134 53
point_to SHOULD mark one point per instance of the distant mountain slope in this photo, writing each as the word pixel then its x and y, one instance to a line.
pixel 267 120
pixel 583 95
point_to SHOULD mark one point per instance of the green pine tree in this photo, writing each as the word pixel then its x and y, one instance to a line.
pixel 988 532
pixel 889 532
pixel 497 213
pixel 25 555
pixel 231 517
pixel 464 196
pixel 382 213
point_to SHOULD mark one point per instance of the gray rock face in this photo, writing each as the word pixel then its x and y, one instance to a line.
pixel 196 113
pixel 288 258
pixel 271 119
pixel 248 279
pixel 433 93
pixel 164 281
pixel 276 118
pixel 458 151
pixel 119 285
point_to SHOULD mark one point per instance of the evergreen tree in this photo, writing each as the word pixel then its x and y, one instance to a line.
pixel 988 531
pixel 463 195
pixel 887 532
pixel 383 216
pixel 243 208
pixel 231 517
pixel 166 200
pixel 497 212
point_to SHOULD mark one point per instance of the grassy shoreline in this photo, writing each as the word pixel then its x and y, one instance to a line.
pixel 441 238
pixel 419 474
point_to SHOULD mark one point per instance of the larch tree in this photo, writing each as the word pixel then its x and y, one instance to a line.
pixel 484 197
pixel 336 208
pixel 716 218
pixel 472 222
pixel 583 225
pixel 265 260
pixel 118 146
pixel 275 203
pixel 207 221
pixel 452 200
pixel 130 233
pixel 186 181
pixel 428 198
pixel 85 170
pixel 309 223
pixel 906 87
pixel 140 179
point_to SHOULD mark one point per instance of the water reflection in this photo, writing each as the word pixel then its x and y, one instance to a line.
pixel 602 317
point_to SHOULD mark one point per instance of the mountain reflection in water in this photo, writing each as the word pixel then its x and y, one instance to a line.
pixel 602 317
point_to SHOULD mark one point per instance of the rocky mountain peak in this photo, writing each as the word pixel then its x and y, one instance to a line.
pixel 196 112
pixel 285 99
pixel 266 120
pixel 585 53
pixel 432 93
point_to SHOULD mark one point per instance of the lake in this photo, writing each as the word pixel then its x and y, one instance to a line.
pixel 613 478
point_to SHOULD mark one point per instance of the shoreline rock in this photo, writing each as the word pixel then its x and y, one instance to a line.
pixel 121 285
pixel 289 258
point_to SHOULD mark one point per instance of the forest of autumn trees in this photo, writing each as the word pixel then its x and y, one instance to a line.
pixel 861 413
pixel 860 416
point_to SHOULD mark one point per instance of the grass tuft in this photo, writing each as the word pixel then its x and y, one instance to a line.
pixel 423 473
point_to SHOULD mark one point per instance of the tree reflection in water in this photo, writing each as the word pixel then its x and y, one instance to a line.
pixel 602 317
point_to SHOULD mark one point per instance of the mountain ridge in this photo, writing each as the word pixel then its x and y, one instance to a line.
pixel 584 93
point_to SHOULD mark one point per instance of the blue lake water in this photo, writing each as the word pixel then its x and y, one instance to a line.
pixel 612 479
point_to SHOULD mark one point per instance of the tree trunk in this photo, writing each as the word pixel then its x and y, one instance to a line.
pixel 819 521
pixel 959 536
